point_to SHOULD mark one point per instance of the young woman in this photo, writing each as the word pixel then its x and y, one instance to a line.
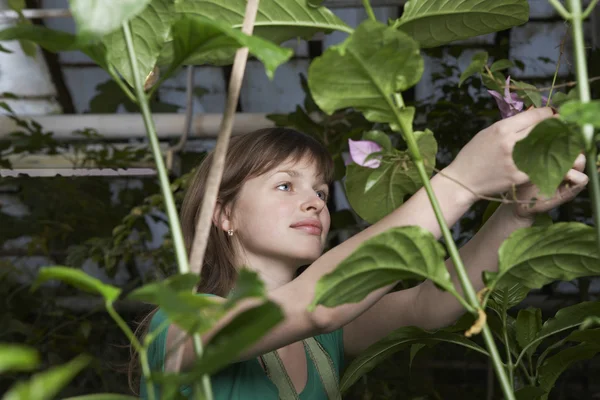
pixel 272 217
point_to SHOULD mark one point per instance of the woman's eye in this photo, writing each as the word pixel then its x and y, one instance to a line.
pixel 284 186
pixel 322 195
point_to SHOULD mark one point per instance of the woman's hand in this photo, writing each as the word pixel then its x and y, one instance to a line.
pixel 531 203
pixel 485 165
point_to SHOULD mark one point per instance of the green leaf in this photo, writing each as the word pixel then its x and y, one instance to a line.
pixel 4 49
pixel 510 294
pixel 501 65
pixel 379 137
pixel 529 393
pixel 537 256
pixel 414 349
pixel 96 18
pixel 591 336
pixel 434 23
pixel 16 357
pixel 55 41
pixel 373 194
pixel 529 93
pixel 396 341
pixel 365 71
pixel 497 83
pixel 399 253
pixel 150 30
pixel 478 62
pixel 589 322
pixel 569 318
pixel 559 98
pixel 547 154
pixel 77 278
pixel 103 396
pixel 45 385
pixel 245 330
pixel 248 284
pixel 529 323
pixel 194 313
pixel 277 20
pixel 581 113
pixel 206 41
pixel 553 366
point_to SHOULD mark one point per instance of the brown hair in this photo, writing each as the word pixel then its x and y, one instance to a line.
pixel 248 156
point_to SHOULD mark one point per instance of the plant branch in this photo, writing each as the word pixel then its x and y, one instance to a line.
pixel 587 130
pixel 560 54
pixel 180 252
pixel 461 272
pixel 369 10
pixel 509 359
pixel 589 9
pixel 561 10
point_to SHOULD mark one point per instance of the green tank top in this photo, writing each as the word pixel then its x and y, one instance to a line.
pixel 247 380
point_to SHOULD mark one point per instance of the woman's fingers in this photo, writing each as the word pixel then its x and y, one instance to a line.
pixel 579 163
pixel 577 177
pixel 526 119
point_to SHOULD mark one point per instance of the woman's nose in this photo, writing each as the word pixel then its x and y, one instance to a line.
pixel 313 202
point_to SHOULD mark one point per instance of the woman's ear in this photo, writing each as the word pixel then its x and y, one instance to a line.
pixel 220 218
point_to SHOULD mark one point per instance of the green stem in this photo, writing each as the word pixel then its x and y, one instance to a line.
pixel 589 9
pixel 119 81
pixel 587 130
pixel 136 345
pixel 182 259
pixel 369 10
pixel 561 10
pixel 510 366
pixel 452 249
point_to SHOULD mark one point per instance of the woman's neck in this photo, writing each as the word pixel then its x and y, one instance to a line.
pixel 274 273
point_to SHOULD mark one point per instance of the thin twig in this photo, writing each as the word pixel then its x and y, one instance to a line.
pixel 589 9
pixel 216 170
pixel 560 54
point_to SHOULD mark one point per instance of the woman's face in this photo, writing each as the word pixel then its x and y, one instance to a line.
pixel 282 214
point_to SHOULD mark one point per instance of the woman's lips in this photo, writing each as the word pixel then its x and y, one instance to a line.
pixel 310 226
pixel 312 230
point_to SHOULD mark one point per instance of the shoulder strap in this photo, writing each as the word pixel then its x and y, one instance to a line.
pixel 320 358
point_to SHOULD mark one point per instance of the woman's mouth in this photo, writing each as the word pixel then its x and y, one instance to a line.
pixel 310 226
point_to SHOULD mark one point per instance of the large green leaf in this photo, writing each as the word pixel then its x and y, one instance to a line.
pixel 77 278
pixel 396 341
pixel 55 41
pixel 208 41
pixel 374 193
pixel 581 113
pixel 150 30
pixel 96 18
pixel 365 71
pixel 529 323
pixel 16 357
pixel 276 20
pixel 434 22
pixel 547 154
pixel 399 253
pixel 45 385
pixel 248 284
pixel 591 336
pixel 537 256
pixel 552 367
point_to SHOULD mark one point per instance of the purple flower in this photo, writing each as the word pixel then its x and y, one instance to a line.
pixel 510 104
pixel 360 150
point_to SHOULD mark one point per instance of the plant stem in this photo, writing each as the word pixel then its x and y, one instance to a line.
pixel 561 10
pixel 369 10
pixel 452 249
pixel 509 360
pixel 136 345
pixel 587 131
pixel 182 260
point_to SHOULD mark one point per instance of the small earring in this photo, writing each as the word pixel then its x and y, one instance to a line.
pixel 230 232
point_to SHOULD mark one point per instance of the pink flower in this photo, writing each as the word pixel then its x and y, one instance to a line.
pixel 360 150
pixel 510 104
